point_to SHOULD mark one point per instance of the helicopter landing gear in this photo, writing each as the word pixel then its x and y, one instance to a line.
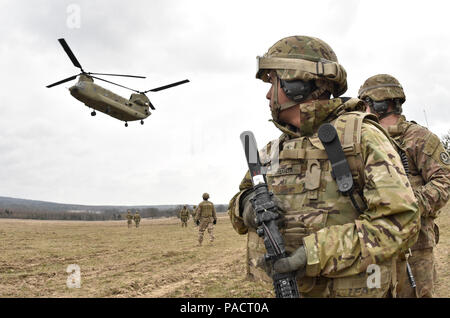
pixel 93 113
pixel 142 122
pixel 126 124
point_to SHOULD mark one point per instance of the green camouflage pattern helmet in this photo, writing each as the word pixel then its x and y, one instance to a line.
pixel 205 196
pixel 382 87
pixel 303 58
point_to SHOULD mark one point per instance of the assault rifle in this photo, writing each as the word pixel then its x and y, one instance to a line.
pixel 285 284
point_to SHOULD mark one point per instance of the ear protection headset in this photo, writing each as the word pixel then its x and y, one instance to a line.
pixel 378 107
pixel 297 90
pixel 382 107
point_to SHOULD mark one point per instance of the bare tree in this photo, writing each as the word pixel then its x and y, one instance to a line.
pixel 446 141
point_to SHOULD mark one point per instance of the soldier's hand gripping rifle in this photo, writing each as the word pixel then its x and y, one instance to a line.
pixel 284 284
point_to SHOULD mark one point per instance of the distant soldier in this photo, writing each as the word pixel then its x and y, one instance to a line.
pixel 137 219
pixel 205 217
pixel 193 213
pixel 184 216
pixel 429 174
pixel 129 218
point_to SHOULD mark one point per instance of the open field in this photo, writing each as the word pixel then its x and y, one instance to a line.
pixel 158 259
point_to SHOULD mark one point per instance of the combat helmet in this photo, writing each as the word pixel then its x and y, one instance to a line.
pixel 306 67
pixel 379 89
pixel 205 196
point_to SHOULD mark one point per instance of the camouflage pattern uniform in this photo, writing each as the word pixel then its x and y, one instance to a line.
pixel 137 219
pixel 184 216
pixel 340 242
pixel 129 219
pixel 429 175
pixel 206 217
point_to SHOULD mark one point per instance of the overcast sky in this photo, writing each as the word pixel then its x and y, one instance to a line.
pixel 51 149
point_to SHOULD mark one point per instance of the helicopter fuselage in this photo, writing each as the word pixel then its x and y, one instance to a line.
pixel 105 101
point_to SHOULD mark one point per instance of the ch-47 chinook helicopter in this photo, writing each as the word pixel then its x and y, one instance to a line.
pixel 105 101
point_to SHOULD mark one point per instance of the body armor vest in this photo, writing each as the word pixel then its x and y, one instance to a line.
pixel 303 181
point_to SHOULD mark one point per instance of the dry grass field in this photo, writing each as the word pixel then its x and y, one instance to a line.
pixel 158 259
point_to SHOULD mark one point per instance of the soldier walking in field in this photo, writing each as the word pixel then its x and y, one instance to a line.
pixel 184 216
pixel 331 236
pixel 129 219
pixel 428 172
pixel 205 218
pixel 137 219
pixel 193 213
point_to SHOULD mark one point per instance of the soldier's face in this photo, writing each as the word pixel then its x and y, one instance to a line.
pixel 282 98
pixel 289 115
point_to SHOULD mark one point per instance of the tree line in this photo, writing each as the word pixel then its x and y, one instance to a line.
pixel 116 214
pixel 105 215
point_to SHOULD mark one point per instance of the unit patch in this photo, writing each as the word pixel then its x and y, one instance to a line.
pixel 445 158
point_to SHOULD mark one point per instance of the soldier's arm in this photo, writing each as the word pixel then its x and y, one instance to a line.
pixel 214 212
pixel 388 227
pixel 432 163
pixel 235 204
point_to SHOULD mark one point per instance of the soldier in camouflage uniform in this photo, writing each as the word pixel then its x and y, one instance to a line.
pixel 184 216
pixel 331 242
pixel 137 219
pixel 205 218
pixel 429 175
pixel 193 213
pixel 129 219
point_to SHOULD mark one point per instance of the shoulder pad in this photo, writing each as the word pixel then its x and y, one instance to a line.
pixel 348 126
pixel 431 143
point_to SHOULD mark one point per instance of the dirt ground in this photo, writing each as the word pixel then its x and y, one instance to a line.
pixel 158 259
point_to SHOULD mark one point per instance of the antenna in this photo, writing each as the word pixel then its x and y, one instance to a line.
pixel 426 120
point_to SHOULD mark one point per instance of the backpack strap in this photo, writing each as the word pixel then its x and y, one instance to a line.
pixel 348 127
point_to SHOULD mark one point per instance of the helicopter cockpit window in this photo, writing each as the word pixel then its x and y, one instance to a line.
pixel 80 85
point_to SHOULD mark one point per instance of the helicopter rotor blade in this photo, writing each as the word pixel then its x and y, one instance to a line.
pixel 167 86
pixel 63 81
pixel 70 53
pixel 123 75
pixel 114 83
